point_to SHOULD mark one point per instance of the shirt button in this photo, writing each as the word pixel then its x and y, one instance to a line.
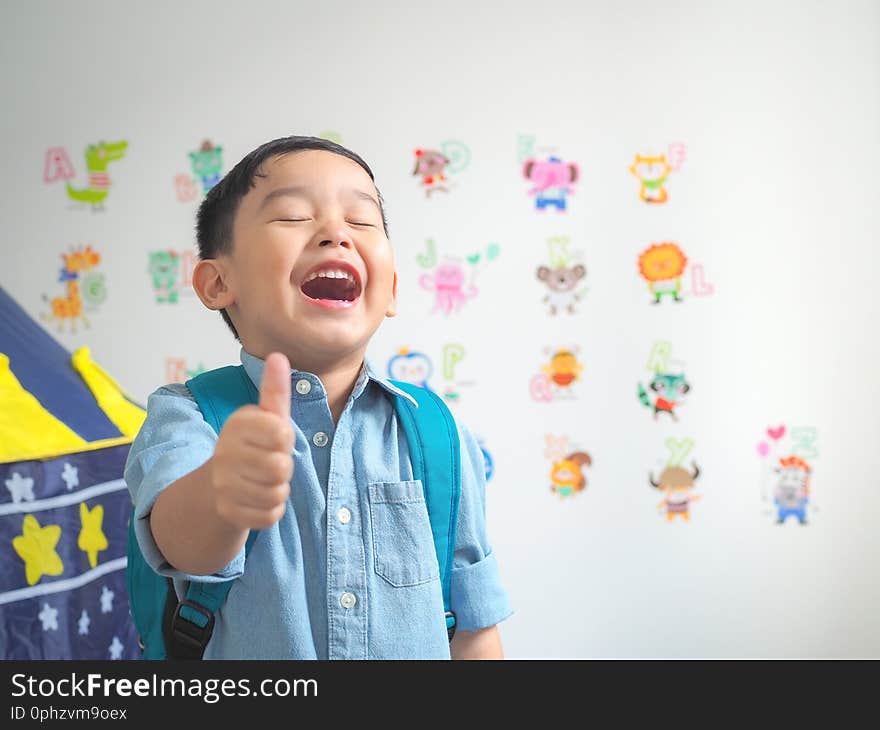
pixel 348 600
pixel 303 386
pixel 320 439
pixel 344 515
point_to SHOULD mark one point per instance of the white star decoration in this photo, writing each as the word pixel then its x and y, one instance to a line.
pixel 106 600
pixel 116 648
pixel 49 617
pixel 21 488
pixel 70 475
pixel 84 622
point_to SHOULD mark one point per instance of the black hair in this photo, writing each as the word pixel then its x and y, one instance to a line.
pixel 217 211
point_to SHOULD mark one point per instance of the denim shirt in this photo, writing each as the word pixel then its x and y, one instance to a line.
pixel 350 570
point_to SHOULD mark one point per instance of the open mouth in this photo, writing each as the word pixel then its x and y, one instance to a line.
pixel 332 284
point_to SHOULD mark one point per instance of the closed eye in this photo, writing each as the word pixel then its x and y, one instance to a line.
pixel 291 220
pixel 360 223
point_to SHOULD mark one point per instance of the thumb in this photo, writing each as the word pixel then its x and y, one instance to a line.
pixel 275 388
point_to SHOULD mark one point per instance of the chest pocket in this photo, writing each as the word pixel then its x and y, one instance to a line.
pixel 403 546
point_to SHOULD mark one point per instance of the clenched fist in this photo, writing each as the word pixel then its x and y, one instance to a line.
pixel 253 461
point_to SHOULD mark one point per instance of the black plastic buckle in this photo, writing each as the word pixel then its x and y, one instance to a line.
pixel 190 639
pixel 450 631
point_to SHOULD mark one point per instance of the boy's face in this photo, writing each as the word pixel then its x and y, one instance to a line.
pixel 311 271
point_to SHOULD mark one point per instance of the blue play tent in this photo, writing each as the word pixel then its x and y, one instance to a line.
pixel 65 430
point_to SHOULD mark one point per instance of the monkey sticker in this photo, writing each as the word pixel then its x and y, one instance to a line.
pixel 676 482
pixel 668 386
pixel 557 377
pixel 569 464
pixel 563 278
pixel 654 170
pixel 787 472
pixel 434 166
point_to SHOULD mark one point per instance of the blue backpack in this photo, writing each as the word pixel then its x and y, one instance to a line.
pixel 172 629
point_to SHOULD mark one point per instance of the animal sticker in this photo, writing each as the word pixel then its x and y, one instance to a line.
pixel 653 171
pixel 434 166
pixel 787 472
pixel 452 281
pixel 98 158
pixel 676 482
pixel 662 265
pixel 563 278
pixel 170 274
pixel 552 182
pixel 84 288
pixel 668 386
pixel 557 377
pixel 176 370
pixel 412 366
pixel 568 466
pixel 207 165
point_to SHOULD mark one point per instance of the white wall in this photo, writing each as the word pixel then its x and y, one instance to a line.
pixel 779 107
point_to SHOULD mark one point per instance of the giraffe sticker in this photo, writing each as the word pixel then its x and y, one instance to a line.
pixel 81 283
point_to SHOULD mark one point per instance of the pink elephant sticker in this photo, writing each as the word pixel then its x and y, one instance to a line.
pixel 552 181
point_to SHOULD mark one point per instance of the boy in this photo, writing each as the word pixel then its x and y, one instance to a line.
pixel 295 255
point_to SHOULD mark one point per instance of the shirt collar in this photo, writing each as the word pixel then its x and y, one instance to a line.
pixel 254 366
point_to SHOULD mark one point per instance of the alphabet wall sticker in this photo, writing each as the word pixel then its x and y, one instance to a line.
pixel 653 172
pixel 98 156
pixel 170 273
pixel 676 481
pixel 435 167
pixel 787 456
pixel 668 386
pixel 84 287
pixel 451 280
pixel 563 278
pixel 569 463
pixel 207 168
pixel 558 375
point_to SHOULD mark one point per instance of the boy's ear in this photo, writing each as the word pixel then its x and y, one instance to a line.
pixel 210 279
pixel 392 305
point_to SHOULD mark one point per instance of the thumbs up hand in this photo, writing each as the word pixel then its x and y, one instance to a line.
pixel 253 459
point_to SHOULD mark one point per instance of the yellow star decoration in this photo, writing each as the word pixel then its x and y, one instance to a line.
pixel 91 539
pixel 36 546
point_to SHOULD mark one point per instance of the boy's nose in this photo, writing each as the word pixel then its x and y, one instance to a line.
pixel 339 240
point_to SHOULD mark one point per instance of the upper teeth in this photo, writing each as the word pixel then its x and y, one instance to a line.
pixel 331 274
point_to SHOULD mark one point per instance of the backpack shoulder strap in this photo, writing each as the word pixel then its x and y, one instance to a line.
pixel 218 394
pixel 436 461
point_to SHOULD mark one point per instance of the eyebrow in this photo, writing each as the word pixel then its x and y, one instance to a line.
pixel 298 191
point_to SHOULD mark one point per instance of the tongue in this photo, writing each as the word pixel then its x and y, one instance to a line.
pixel 324 288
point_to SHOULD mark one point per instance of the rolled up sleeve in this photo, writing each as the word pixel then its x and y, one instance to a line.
pixel 174 440
pixel 476 594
